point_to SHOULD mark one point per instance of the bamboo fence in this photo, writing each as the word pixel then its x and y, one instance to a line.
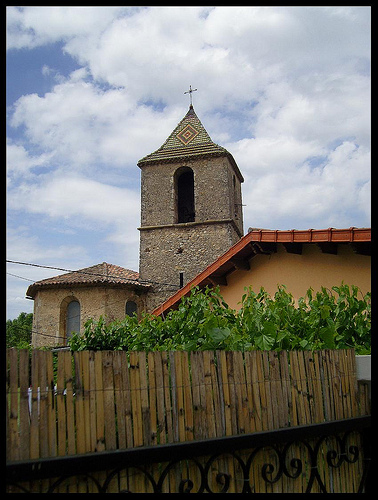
pixel 73 403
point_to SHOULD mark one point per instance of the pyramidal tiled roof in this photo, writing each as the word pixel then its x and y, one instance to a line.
pixel 95 275
pixel 189 140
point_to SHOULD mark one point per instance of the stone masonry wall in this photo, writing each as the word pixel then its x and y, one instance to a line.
pixel 50 306
pixel 217 192
pixel 188 248
pixel 168 248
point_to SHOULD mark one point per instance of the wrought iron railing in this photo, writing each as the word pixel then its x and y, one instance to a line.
pixel 309 455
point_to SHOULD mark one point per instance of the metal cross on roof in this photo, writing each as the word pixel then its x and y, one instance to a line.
pixel 190 91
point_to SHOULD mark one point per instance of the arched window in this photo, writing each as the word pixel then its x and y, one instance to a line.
pixel 131 308
pixel 72 318
pixel 185 195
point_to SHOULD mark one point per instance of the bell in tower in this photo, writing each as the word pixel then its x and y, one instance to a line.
pixel 191 208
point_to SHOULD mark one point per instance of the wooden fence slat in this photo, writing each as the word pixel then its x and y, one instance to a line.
pixel 241 392
pixel 217 398
pixel 335 381
pixel 315 376
pixel 232 392
pixel 43 408
pixel 144 399
pixel 306 365
pixel 259 374
pixel 175 418
pixel 197 409
pixel 275 389
pixel 12 404
pixel 135 399
pixel 334 387
pixel 167 397
pixel 224 390
pixel 61 410
pixel 51 405
pixel 208 400
pixel 344 385
pixel 250 395
pixel 34 420
pixel 86 401
pixel 9 449
pixel 92 399
pixel 255 404
pixel 260 377
pixel 152 397
pixel 127 396
pixel 353 384
pixel 100 416
pixel 325 385
pixel 119 400
pixel 24 365
pixel 188 401
pixel 298 410
pixel 67 365
pixel 285 384
pixel 79 400
pixel 160 398
pixel 350 382
pixel 202 393
pixel 178 392
pixel 109 413
pixel 303 389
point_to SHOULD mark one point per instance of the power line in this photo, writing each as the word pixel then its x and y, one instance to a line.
pixel 21 277
pixel 136 281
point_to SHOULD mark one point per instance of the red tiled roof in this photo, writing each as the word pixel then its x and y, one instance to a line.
pixel 264 241
pixel 95 275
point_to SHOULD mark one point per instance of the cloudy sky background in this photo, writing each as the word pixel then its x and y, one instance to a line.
pixel 91 90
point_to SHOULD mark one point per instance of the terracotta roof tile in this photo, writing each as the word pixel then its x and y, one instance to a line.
pixel 95 275
pixel 260 239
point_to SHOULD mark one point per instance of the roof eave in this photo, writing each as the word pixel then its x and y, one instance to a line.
pixel 266 237
pixel 173 159
pixel 36 287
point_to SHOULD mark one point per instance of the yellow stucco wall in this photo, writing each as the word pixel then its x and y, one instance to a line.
pixel 299 272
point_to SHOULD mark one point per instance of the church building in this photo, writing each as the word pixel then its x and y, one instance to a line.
pixel 191 214
pixel 191 208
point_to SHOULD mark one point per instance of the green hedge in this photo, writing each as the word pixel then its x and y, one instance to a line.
pixel 330 319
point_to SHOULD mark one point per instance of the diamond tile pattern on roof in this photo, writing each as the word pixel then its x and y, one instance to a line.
pixel 187 134
pixel 183 144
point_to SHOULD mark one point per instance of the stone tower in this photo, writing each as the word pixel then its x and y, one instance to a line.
pixel 191 208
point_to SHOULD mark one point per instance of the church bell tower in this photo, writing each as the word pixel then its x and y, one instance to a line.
pixel 191 208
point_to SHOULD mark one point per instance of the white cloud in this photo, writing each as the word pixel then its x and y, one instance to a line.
pixel 64 196
pixel 285 89
pixel 20 162
pixel 23 247
pixel 82 124
pixel 85 204
pixel 332 194
pixel 40 25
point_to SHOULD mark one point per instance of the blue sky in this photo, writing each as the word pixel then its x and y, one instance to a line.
pixel 91 90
